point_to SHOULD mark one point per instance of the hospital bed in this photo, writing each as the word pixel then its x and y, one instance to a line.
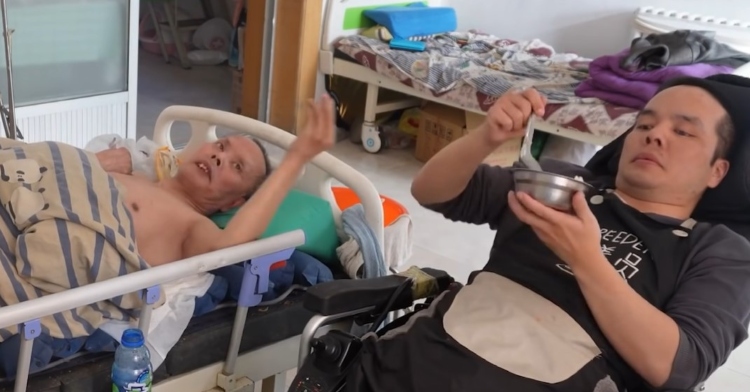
pixel 590 121
pixel 229 349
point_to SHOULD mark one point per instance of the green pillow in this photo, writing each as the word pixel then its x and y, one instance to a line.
pixel 300 210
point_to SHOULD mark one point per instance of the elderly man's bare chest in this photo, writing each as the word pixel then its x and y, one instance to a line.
pixel 161 221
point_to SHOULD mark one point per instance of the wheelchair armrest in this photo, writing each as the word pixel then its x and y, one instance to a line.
pixel 348 295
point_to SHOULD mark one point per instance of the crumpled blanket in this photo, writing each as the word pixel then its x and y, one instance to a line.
pixel 609 82
pixel 397 242
pixel 168 322
pixel 488 64
pixel 63 224
pixel 681 47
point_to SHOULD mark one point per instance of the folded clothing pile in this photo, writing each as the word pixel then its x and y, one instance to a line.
pixel 632 77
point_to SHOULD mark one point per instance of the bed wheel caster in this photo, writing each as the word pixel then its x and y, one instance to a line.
pixel 372 139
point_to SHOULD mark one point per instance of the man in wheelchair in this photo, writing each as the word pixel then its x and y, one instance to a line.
pixel 638 288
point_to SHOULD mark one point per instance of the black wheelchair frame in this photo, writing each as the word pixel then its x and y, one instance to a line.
pixel 328 349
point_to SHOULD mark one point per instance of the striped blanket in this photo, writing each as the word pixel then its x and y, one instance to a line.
pixel 63 224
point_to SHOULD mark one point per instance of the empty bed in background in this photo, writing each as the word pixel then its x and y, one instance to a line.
pixel 484 75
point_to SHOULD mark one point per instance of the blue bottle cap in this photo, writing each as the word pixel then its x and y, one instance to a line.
pixel 132 338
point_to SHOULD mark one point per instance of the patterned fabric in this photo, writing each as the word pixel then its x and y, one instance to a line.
pixel 63 224
pixel 472 70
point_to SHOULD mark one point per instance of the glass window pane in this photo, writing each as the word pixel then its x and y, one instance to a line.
pixel 65 49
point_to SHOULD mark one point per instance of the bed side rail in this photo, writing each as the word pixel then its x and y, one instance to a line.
pixel 257 255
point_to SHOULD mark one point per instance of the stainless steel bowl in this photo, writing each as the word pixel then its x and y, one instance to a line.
pixel 553 190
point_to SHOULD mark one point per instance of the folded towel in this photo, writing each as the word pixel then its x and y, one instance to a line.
pixel 398 242
pixel 168 322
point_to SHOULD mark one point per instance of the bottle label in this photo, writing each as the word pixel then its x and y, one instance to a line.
pixel 141 384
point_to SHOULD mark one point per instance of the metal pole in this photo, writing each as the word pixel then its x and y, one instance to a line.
pixel 4 119
pixel 235 339
pixel 266 69
pixel 29 331
pixel 9 66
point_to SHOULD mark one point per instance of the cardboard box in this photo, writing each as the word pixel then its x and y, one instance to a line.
pixel 506 154
pixel 439 125
pixel 236 101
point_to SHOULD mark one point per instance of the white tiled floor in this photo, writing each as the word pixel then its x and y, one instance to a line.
pixel 453 247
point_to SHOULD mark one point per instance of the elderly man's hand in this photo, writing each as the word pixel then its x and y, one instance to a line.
pixel 575 238
pixel 116 160
pixel 319 132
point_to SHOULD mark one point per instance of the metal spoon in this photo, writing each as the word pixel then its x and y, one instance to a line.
pixel 525 157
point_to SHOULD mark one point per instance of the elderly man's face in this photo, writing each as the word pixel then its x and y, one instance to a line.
pixel 673 144
pixel 222 173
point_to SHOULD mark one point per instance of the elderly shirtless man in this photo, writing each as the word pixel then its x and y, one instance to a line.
pixel 170 216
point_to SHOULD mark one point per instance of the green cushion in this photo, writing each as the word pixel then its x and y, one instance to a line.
pixel 300 210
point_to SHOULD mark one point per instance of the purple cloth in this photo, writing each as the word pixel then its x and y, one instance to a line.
pixel 609 82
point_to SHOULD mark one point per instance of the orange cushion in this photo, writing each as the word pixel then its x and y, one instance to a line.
pixel 392 209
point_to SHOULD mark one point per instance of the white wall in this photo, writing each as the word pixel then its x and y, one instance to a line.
pixel 588 27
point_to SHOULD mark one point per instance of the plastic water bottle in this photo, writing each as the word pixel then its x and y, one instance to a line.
pixel 132 370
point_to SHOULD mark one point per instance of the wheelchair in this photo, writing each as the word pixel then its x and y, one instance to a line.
pixel 328 351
